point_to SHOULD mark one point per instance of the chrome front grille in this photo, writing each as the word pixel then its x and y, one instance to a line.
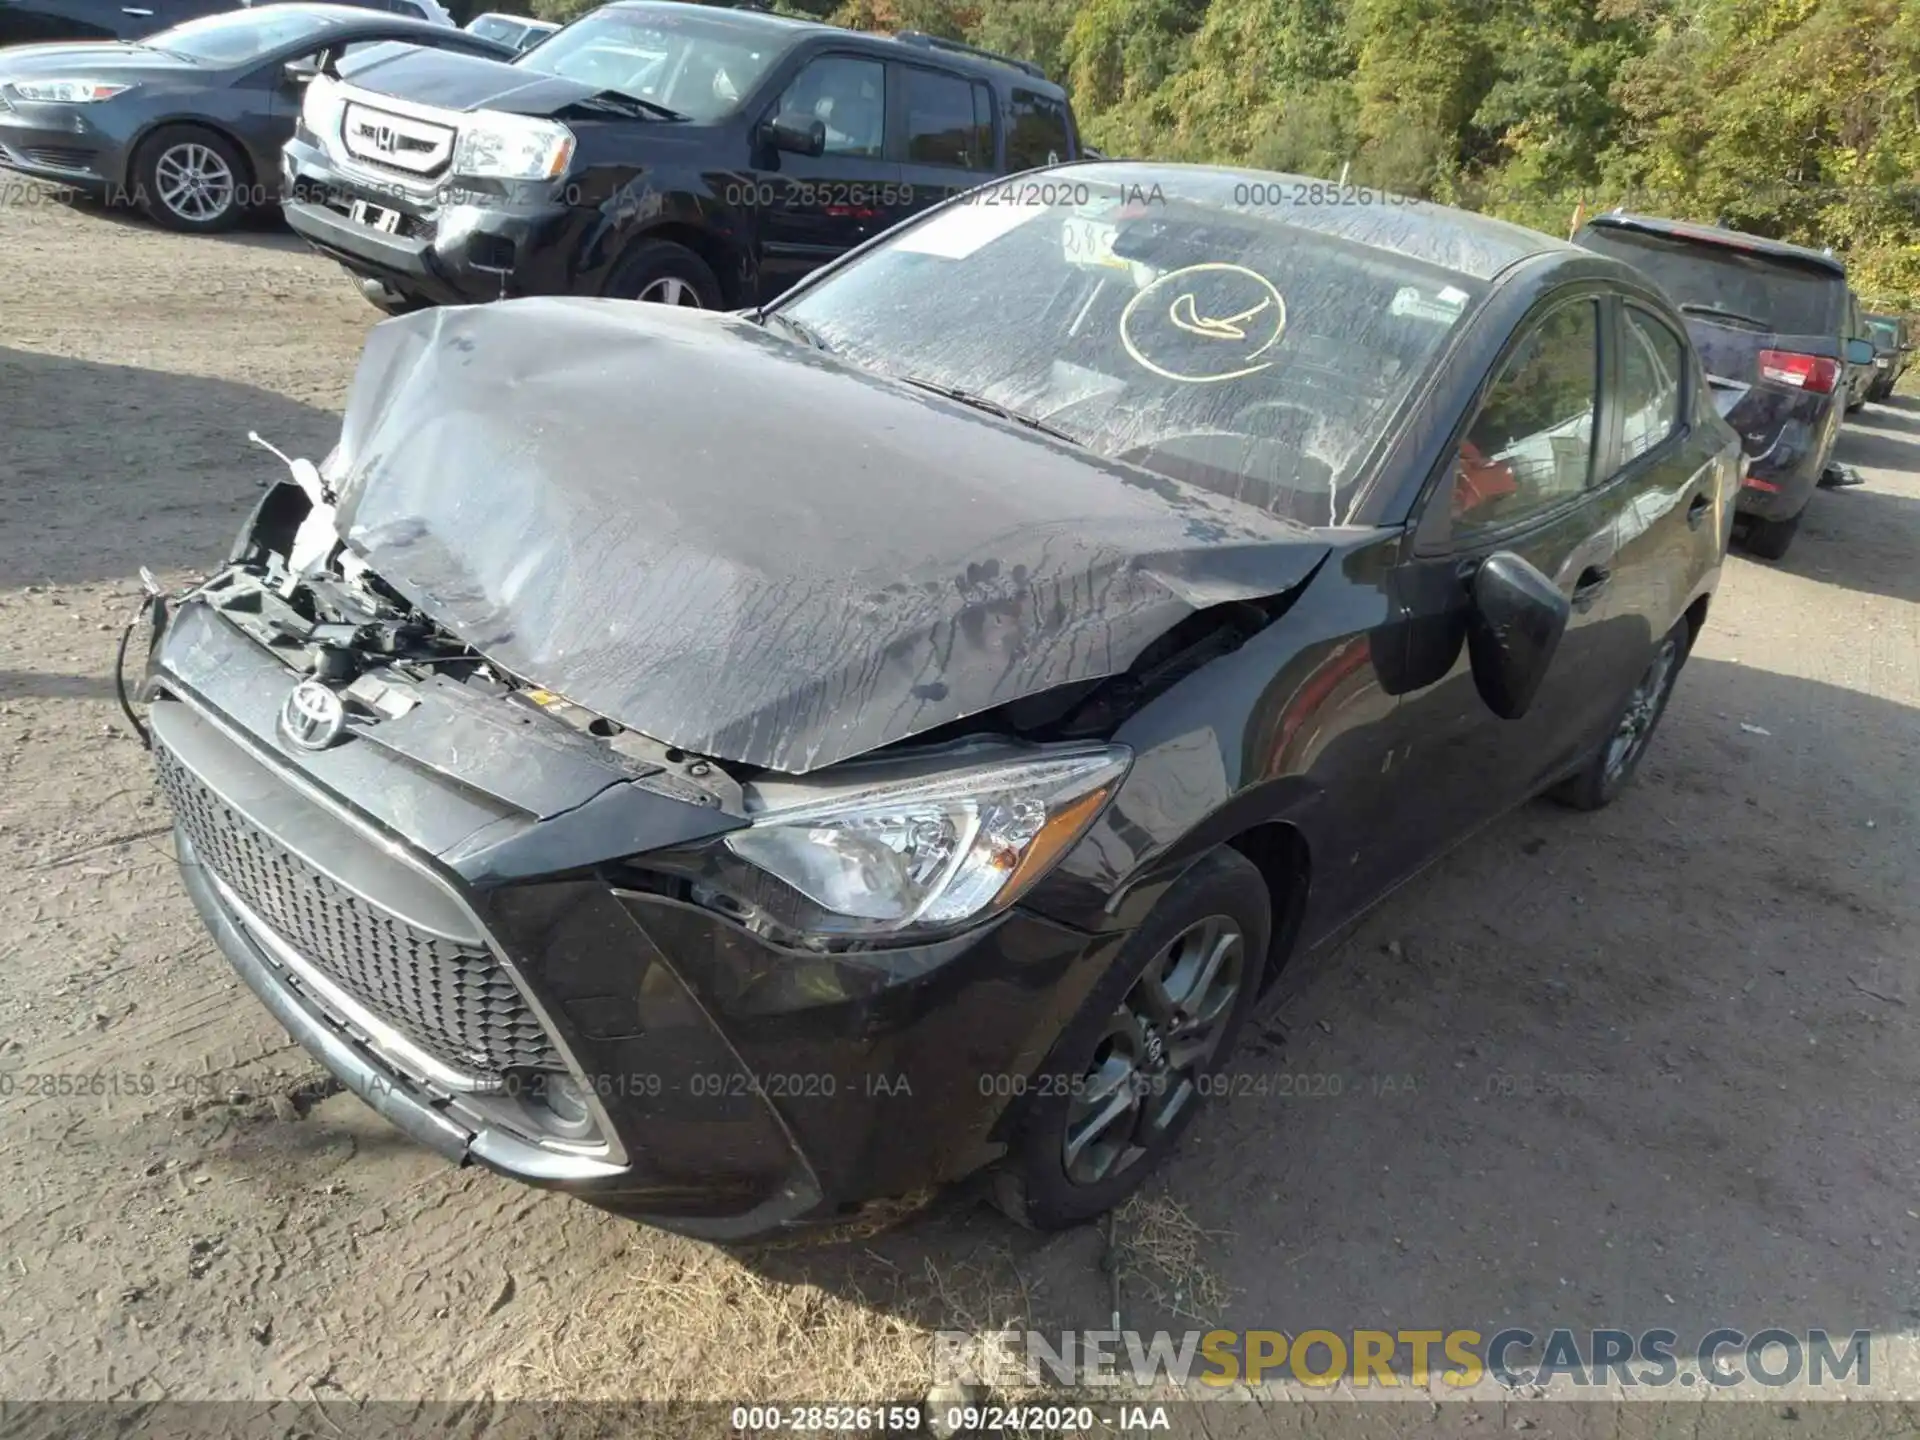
pixel 455 1003
pixel 399 142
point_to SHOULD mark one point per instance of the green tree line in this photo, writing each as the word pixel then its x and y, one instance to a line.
pixel 1798 119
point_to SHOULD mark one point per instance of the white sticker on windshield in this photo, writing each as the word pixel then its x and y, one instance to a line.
pixel 1443 308
pixel 1089 243
pixel 957 233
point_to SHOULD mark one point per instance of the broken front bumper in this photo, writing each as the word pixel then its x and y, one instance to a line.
pixel 733 1086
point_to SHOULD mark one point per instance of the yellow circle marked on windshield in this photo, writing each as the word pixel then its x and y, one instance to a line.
pixel 1204 323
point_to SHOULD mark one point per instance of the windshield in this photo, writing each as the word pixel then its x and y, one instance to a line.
pixel 697 66
pixel 497 27
pixel 233 37
pixel 1784 297
pixel 1216 344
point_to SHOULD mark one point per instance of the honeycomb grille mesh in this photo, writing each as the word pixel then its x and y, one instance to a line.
pixel 456 1004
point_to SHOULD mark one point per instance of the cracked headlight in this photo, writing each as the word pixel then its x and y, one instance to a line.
pixel 892 848
pixel 497 146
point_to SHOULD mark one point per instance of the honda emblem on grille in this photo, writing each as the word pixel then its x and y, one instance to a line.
pixel 313 717
pixel 385 140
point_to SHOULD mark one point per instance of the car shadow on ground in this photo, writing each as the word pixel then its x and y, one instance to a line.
pixel 150 467
pixel 1862 537
pixel 259 229
pixel 1627 1069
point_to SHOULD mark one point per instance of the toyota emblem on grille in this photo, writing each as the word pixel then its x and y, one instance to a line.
pixel 313 717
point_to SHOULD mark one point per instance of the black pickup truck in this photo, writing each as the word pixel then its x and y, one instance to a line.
pixel 684 154
pixel 1773 317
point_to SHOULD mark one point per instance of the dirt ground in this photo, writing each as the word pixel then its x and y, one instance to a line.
pixel 1652 1067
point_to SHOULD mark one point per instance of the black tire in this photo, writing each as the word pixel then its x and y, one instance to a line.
pixel 658 269
pixel 1615 763
pixel 166 192
pixel 1034 1183
pixel 1769 539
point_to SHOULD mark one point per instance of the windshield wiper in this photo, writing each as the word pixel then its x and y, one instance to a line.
pixel 992 407
pixel 1717 313
pixel 802 333
pixel 624 104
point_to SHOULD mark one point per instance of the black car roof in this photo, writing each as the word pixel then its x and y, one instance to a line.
pixel 962 57
pixel 1475 246
pixel 1720 235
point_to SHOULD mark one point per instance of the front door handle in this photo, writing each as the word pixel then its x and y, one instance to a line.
pixel 1698 511
pixel 1593 580
pixel 136 10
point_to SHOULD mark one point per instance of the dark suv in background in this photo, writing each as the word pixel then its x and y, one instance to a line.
pixel 1892 338
pixel 654 151
pixel 1767 315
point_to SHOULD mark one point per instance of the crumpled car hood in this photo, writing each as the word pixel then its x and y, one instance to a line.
pixel 746 548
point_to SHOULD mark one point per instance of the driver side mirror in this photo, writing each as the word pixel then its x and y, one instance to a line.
pixel 300 72
pixel 809 139
pixel 1513 629
pixel 1859 352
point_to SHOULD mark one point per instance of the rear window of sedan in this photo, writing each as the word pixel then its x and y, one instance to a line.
pixel 234 37
pixel 1218 345
pixel 1778 295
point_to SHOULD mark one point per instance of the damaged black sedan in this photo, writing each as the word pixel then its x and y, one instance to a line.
pixel 739 768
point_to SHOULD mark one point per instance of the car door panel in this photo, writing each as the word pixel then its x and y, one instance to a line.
pixel 810 209
pixel 1673 513
pixel 1528 493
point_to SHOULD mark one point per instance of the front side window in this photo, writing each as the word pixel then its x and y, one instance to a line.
pixel 1160 323
pixel 699 67
pixel 1652 362
pixel 945 125
pixel 1531 446
pixel 846 94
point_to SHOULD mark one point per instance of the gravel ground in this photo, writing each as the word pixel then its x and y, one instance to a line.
pixel 1653 1067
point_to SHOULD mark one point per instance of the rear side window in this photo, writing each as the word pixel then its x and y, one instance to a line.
pixel 1531 445
pixel 1763 293
pixel 1652 360
pixel 1037 134
pixel 949 121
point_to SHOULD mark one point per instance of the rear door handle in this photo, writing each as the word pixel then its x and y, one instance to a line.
pixel 1593 580
pixel 136 10
pixel 1698 511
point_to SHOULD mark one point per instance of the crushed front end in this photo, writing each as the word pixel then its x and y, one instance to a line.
pixel 440 880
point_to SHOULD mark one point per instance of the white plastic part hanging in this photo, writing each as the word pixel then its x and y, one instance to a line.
pixel 316 537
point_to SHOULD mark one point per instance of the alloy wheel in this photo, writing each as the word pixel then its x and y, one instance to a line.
pixel 194 182
pixel 670 290
pixel 1643 709
pixel 1149 1061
